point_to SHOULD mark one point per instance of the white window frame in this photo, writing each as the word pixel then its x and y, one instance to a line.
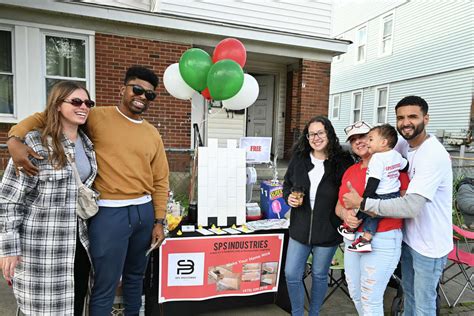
pixel 361 92
pixel 8 116
pixel 377 105
pixel 381 36
pixel 29 64
pixel 333 106
pixel 360 42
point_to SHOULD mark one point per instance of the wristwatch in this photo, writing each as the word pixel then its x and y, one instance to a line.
pixel 159 221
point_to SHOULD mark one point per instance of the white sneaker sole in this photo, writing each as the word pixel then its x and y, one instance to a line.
pixel 348 236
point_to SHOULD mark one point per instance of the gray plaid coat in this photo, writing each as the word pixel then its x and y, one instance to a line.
pixel 38 222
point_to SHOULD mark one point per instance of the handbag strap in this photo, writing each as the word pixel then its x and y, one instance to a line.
pixel 74 169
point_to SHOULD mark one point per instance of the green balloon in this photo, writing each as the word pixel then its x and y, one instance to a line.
pixel 225 79
pixel 194 65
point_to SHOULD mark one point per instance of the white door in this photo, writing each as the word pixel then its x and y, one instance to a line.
pixel 260 114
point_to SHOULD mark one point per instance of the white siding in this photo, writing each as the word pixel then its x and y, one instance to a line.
pixel 428 38
pixel 308 17
pixel 432 56
pixel 449 97
pixel 223 126
pixel 304 17
pixel 351 13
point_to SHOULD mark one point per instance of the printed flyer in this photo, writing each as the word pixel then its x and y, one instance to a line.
pixel 200 268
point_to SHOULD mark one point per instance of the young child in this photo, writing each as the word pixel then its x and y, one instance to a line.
pixel 381 182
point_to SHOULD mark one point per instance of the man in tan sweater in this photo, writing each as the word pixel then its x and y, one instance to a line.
pixel 133 184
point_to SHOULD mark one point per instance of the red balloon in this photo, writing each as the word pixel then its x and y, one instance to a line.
pixel 206 94
pixel 230 48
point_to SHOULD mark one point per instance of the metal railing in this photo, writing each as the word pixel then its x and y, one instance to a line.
pixel 462 167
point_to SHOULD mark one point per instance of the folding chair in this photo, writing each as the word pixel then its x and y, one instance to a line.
pixel 463 259
pixel 335 283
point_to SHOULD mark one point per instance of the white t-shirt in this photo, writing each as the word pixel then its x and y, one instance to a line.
pixel 386 166
pixel 431 176
pixel 315 176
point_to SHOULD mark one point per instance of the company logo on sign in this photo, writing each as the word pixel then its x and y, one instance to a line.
pixel 185 269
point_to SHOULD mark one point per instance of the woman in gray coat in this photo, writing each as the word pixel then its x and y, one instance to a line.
pixel 43 243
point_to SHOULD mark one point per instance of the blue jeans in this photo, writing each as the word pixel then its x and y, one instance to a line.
pixel 370 223
pixel 119 238
pixel 296 258
pixel 367 274
pixel 420 278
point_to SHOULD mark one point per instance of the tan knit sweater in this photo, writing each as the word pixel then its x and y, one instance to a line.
pixel 131 157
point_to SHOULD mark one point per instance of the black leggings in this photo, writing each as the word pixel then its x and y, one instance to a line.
pixel 82 268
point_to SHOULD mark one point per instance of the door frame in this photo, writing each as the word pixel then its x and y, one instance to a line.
pixel 276 93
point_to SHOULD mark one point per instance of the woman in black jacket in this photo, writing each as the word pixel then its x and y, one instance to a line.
pixel 315 169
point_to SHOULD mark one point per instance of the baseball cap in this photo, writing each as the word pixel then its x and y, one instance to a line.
pixel 357 128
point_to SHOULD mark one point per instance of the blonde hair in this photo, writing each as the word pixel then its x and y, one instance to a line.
pixel 52 132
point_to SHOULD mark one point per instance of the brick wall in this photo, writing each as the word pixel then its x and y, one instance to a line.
pixel 307 96
pixel 114 54
pixel 4 156
pixel 171 116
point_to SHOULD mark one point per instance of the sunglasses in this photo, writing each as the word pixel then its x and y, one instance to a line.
pixel 355 125
pixel 78 102
pixel 150 95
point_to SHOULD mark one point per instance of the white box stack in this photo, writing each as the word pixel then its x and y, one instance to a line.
pixel 221 184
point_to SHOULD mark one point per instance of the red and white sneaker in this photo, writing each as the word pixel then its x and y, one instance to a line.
pixel 346 232
pixel 361 245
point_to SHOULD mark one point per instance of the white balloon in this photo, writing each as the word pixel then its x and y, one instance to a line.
pixel 175 85
pixel 245 97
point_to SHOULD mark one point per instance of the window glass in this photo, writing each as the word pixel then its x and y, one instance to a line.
pixel 362 32
pixel 361 42
pixel 387 26
pixel 357 107
pixel 65 57
pixel 357 101
pixel 65 60
pixel 6 73
pixel 382 105
pixel 50 83
pixel 381 114
pixel 335 106
pixel 5 51
pixel 387 34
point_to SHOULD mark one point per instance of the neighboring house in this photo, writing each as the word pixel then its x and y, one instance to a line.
pixel 402 48
pixel 288 45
